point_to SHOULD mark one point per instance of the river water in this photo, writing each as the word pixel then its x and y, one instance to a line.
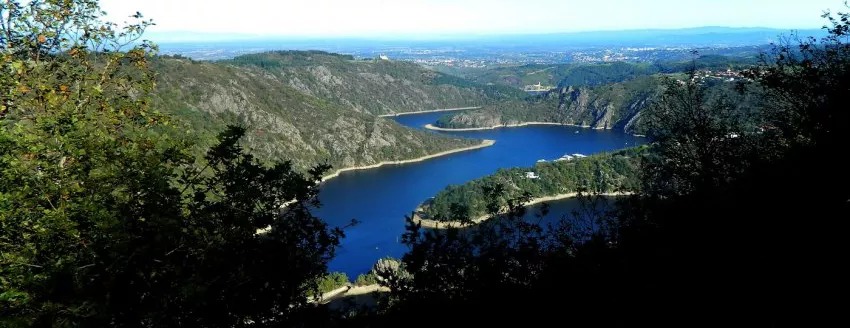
pixel 380 198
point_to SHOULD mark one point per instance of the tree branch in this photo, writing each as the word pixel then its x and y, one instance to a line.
pixel 86 266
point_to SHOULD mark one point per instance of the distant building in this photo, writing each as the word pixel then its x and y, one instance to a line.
pixel 539 87
pixel 531 175
pixel 383 57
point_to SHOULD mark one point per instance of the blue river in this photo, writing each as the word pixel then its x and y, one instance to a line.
pixel 381 198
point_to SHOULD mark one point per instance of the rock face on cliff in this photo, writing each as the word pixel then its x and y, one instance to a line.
pixel 315 107
pixel 291 121
pixel 372 86
pixel 612 106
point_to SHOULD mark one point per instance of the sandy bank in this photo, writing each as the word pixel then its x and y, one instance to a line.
pixel 428 111
pixel 484 143
pixel 436 128
pixel 432 224
pixel 350 291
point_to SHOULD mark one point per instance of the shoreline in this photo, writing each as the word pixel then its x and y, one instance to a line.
pixel 484 143
pixel 432 224
pixel 428 111
pixel 515 125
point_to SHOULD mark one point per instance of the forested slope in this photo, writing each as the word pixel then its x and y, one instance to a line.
pixel 584 74
pixel 609 106
pixel 283 122
pixel 372 86
pixel 608 172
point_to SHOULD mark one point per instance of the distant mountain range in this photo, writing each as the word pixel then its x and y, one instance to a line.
pixel 691 37
pixel 696 36
pixel 207 46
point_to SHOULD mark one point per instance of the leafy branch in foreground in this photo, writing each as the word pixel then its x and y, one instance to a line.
pixel 105 217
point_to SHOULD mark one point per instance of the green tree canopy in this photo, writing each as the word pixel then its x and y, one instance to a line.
pixel 105 217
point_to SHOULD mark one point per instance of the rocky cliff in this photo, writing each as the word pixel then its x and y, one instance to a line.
pixel 285 122
pixel 612 106
pixel 372 86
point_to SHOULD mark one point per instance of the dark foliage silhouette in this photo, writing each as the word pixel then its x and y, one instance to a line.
pixel 743 192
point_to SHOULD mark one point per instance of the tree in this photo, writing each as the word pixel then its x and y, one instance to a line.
pixel 702 134
pixel 740 220
pixel 105 217
pixel 807 83
pixel 746 205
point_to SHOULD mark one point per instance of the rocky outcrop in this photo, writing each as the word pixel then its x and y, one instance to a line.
pixel 367 86
pixel 614 106
pixel 285 121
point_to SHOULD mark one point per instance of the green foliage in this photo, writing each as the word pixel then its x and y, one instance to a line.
pixel 618 171
pixel 106 219
pixel 707 62
pixel 703 136
pixel 365 279
pixel 493 91
pixel 284 122
pixel 49 67
pixel 605 96
pixel 563 74
pixel 531 109
pixel 592 75
pixel 621 106
pixel 499 270
pixel 742 192
pixel 589 75
pixel 332 281
pixel 280 59
pixel 609 106
pixel 807 89
pixel 375 87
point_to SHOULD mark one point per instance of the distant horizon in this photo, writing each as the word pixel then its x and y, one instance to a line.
pixel 192 36
pixel 440 19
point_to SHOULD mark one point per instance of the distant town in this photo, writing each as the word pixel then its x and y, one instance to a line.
pixel 470 57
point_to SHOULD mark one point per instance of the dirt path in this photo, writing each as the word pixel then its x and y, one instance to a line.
pixel 428 111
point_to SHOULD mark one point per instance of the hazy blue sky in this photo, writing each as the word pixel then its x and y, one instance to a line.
pixel 443 17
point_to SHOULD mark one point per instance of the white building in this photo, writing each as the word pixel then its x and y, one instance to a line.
pixel 531 175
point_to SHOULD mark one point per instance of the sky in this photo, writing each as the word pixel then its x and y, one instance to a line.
pixel 388 18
